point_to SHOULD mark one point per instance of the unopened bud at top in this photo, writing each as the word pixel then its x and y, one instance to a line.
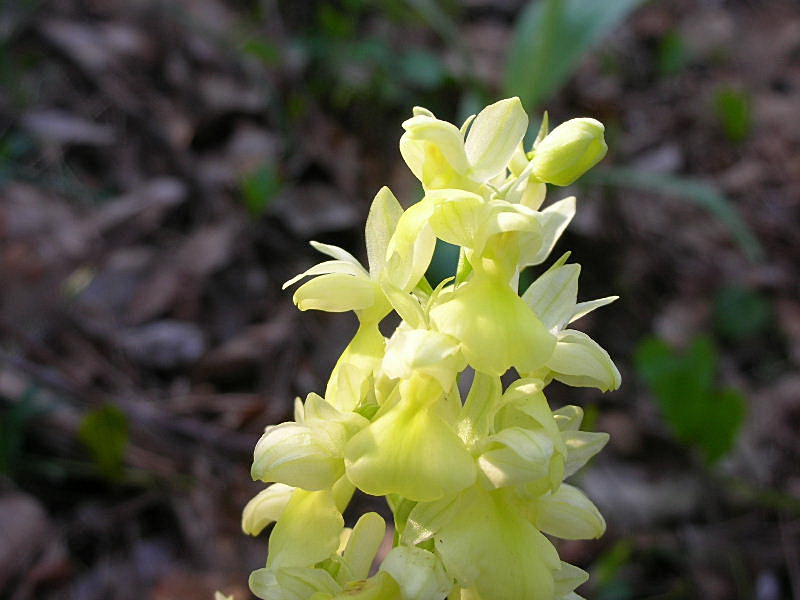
pixel 569 151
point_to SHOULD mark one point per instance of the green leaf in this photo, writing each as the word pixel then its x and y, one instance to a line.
pixel 440 21
pixel 733 111
pixel 264 50
pixel 719 434
pixel 741 313
pixel 683 386
pixel 671 54
pixel 607 572
pixel 551 38
pixel 672 375
pixel 423 69
pixel 259 189
pixel 14 422
pixel 104 431
pixel 699 193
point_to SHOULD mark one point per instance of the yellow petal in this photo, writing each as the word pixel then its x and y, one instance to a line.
pixel 335 252
pixel 493 136
pixel 568 418
pixel 568 514
pixel 337 292
pixel 299 455
pixel 516 456
pixel 326 267
pixel 457 216
pixel 579 361
pixel 581 446
pixel 385 458
pixel 554 220
pixel 266 507
pixel 384 214
pixel 410 250
pixel 308 531
pixel 380 586
pixel 292 583
pixel 349 380
pixel 363 543
pixel 496 328
pixel 553 295
pixel 490 547
pixel 478 413
pixel 419 573
pixel 567 578
pixel 443 135
pixel 584 308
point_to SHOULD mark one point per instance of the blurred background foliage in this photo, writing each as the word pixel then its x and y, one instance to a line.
pixel 163 164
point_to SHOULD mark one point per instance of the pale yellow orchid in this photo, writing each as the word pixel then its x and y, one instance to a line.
pixel 576 360
pixel 496 328
pixel 312 554
pixel 343 284
pixel 307 452
pixel 472 485
pixel 442 156
pixel 487 545
pixel 386 458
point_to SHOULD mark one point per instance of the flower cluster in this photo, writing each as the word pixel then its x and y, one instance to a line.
pixel 473 483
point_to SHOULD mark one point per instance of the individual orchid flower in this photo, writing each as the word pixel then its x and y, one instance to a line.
pixel 306 534
pixel 426 352
pixel 268 505
pixel 386 458
pixel 308 452
pixel 312 554
pixel 568 514
pixel 525 447
pixel 441 157
pixel 343 284
pixel 493 233
pixel 496 328
pixel 486 544
pixel 581 445
pixel 576 360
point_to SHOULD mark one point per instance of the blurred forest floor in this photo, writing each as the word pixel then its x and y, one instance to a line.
pixel 163 164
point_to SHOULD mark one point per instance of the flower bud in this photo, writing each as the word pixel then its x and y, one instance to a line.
pixel 569 151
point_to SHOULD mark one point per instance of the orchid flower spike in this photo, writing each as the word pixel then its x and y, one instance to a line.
pixel 474 484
